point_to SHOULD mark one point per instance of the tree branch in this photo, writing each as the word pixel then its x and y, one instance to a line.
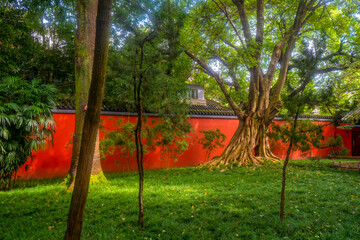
pixel 277 88
pixel 230 44
pixel 224 10
pixel 312 10
pixel 231 72
pixel 237 50
pixel 330 69
pixel 220 81
pixel 260 22
pixel 240 4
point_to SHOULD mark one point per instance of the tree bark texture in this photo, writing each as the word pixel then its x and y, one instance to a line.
pixel 264 95
pixel 248 136
pixel 91 123
pixel 84 58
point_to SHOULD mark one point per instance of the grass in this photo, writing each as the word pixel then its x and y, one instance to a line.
pixel 193 203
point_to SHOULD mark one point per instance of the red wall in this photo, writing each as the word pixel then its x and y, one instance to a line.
pixel 346 135
pixel 54 161
pixel 154 160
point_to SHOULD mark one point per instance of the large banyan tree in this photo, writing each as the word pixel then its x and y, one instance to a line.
pixel 246 47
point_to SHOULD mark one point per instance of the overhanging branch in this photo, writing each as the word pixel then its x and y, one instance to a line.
pixel 219 80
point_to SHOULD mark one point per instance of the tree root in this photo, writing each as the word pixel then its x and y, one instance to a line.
pixel 249 160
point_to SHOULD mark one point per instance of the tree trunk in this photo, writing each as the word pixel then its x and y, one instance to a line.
pixel 248 146
pixel 263 148
pixel 283 183
pixel 84 55
pixel 239 151
pixel 139 149
pixel 138 140
pixel 139 160
pixel 91 123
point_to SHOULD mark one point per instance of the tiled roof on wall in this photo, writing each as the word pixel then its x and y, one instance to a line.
pixel 211 109
pixel 352 116
pixel 308 116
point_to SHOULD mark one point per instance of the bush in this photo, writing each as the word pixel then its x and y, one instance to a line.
pixel 26 123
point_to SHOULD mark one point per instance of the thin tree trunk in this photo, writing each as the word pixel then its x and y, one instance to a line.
pixel 139 146
pixel 139 160
pixel 91 124
pixel 84 51
pixel 283 185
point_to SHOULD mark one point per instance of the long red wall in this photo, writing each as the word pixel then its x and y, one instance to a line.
pixel 54 161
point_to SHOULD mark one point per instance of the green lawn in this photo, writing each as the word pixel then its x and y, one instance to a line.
pixel 192 203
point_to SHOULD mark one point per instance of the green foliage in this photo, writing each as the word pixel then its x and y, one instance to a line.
pixel 37 37
pixel 16 44
pixel 148 54
pixel 163 70
pixel 121 140
pixel 170 136
pixel 211 140
pixel 26 122
pixel 323 67
pixel 306 135
pixel 197 204
pixel 327 48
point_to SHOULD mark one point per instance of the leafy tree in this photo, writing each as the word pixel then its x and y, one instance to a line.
pixel 170 137
pixel 323 71
pixel 246 47
pixel 300 134
pixel 50 27
pixel 16 43
pixel 26 123
pixel 121 140
pixel 38 38
pixel 91 122
pixel 149 76
pixel 303 92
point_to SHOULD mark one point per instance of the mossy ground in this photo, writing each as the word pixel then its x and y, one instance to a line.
pixel 94 179
pixel 195 203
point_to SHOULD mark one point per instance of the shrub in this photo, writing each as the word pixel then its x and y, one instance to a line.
pixel 26 123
